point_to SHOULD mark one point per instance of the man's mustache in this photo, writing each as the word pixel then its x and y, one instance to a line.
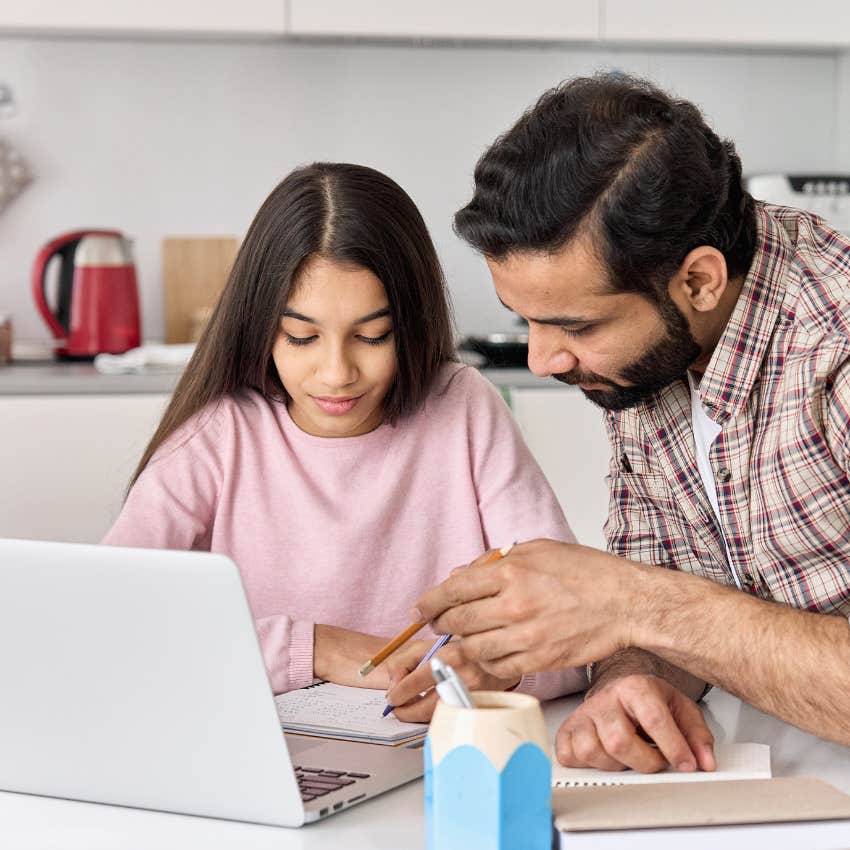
pixel 575 378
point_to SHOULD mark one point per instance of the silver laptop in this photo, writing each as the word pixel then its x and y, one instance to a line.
pixel 134 677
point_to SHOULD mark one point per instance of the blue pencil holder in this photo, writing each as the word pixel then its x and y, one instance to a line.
pixel 488 775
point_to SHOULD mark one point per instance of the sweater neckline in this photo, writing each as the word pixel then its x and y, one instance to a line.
pixel 295 433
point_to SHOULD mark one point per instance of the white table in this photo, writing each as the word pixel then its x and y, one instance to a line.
pixel 394 821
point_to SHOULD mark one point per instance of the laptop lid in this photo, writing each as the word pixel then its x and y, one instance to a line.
pixel 134 677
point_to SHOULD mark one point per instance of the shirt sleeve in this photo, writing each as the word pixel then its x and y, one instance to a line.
pixel 173 505
pixel 515 502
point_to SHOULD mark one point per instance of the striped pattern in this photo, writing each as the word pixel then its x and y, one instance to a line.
pixel 779 385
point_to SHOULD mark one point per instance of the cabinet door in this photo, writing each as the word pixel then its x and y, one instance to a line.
pixel 65 461
pixel 566 435
pixel 548 20
pixel 819 23
pixel 261 17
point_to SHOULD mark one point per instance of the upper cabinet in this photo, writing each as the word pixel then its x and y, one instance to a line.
pixel 816 24
pixel 759 23
pixel 545 20
pixel 201 17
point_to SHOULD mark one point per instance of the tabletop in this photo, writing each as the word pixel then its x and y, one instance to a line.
pixel 394 821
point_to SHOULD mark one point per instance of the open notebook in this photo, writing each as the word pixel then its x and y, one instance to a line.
pixel 348 714
pixel 734 761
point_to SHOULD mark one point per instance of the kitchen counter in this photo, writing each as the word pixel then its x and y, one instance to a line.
pixel 49 378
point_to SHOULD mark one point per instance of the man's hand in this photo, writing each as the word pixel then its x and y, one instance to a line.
pixel 407 682
pixel 609 731
pixel 545 606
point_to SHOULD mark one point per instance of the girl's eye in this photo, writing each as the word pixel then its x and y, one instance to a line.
pixel 375 340
pixel 298 340
pixel 577 331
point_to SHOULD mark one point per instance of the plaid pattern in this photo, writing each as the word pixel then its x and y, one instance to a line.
pixel 779 385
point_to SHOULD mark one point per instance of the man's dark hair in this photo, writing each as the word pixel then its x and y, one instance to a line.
pixel 639 169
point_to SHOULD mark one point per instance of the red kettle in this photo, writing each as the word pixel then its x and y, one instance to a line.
pixel 97 306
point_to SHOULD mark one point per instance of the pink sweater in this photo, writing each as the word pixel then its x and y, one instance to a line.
pixel 347 532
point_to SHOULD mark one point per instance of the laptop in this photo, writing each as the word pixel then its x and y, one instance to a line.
pixel 134 677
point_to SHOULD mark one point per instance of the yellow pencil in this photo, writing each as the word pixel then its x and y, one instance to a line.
pixel 412 629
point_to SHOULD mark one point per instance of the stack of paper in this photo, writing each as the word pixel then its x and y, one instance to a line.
pixel 349 714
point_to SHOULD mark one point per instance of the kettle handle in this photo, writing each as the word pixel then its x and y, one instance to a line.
pixel 39 269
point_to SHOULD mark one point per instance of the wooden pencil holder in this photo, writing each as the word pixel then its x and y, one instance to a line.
pixel 488 775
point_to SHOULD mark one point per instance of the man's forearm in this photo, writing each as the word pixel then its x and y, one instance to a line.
pixel 634 660
pixel 790 663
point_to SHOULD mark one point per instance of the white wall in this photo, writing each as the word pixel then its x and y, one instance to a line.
pixel 178 138
pixel 842 106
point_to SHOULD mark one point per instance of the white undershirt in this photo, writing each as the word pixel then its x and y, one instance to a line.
pixel 705 433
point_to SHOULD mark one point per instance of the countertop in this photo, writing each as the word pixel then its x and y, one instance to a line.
pixel 52 378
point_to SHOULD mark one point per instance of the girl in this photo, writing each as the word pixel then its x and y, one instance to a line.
pixel 323 437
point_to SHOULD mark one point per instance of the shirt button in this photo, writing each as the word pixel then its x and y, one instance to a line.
pixel 724 474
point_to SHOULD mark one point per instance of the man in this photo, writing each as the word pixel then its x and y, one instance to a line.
pixel 715 332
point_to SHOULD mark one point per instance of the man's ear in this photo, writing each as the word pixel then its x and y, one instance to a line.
pixel 700 281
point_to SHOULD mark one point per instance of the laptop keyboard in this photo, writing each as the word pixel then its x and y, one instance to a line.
pixel 314 782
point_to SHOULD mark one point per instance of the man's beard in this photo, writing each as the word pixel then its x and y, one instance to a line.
pixel 665 362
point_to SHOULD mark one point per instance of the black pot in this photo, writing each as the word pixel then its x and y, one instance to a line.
pixel 500 350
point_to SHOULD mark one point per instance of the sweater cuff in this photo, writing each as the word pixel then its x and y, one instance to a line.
pixel 300 672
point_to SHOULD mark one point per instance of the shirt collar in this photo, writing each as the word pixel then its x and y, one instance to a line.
pixel 733 369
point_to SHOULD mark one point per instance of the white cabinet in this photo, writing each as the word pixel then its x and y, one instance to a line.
pixel 817 23
pixel 214 17
pixel 65 461
pixel 452 19
pixel 566 435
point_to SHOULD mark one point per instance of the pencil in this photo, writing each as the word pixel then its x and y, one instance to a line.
pixel 412 629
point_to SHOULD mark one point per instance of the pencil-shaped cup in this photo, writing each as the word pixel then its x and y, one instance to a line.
pixel 488 775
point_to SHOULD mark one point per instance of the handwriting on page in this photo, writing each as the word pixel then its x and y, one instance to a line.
pixel 333 706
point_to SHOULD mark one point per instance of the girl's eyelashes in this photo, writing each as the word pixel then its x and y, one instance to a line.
pixel 306 340
pixel 375 340
pixel 298 340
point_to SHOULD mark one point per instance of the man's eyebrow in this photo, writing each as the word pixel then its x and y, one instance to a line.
pixel 560 321
pixel 377 314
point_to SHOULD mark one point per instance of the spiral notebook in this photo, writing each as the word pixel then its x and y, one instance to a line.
pixel 326 710
pixel 734 761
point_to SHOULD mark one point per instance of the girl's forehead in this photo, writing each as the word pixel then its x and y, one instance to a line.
pixel 327 291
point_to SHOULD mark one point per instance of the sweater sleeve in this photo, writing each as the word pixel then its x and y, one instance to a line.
pixel 173 505
pixel 173 502
pixel 515 502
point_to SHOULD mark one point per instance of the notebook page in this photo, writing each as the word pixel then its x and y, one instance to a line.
pixel 734 761
pixel 331 709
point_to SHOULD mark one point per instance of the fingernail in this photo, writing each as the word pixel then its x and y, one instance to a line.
pixel 416 615
pixel 686 767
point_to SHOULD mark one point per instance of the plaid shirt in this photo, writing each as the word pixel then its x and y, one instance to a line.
pixel 779 385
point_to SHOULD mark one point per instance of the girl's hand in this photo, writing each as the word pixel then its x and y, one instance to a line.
pixel 407 682
pixel 338 654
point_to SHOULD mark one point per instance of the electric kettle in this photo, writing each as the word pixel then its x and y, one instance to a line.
pixel 97 305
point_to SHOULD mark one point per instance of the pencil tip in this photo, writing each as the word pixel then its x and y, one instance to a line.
pixel 366 669
pixel 387 710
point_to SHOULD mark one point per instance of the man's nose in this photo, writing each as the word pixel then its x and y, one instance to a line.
pixel 548 355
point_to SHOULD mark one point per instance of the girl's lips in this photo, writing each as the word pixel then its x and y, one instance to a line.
pixel 336 406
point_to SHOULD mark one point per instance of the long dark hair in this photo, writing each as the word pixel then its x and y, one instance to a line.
pixel 351 215
pixel 640 169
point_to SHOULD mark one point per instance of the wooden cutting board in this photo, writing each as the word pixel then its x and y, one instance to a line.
pixel 194 271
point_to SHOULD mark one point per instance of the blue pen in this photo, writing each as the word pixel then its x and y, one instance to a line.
pixel 444 639
pixel 441 641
